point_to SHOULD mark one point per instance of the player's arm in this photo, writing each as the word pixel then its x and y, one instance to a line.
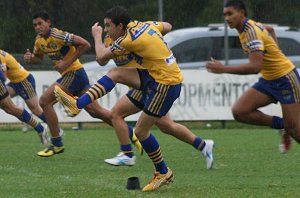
pixel 33 58
pixel 167 27
pixel 271 30
pixel 103 54
pixel 81 45
pixel 252 67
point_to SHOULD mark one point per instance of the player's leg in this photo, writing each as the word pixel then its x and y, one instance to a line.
pixel 9 107
pixel 26 90
pixel 125 134
pixel 35 108
pixel 246 107
pixel 291 116
pixel 159 100
pixel 47 100
pixel 261 94
pixel 97 111
pixel 12 94
pixel 289 97
pixel 163 175
pixel 181 132
pixel 103 86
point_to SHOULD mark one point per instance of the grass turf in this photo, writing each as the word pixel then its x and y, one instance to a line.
pixel 247 164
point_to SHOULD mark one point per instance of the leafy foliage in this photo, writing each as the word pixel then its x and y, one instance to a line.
pixel 78 16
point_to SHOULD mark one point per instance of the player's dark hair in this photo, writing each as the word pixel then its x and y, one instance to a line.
pixel 238 5
pixel 41 14
pixel 118 15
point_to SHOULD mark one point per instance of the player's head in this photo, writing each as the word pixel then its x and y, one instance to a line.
pixel 116 20
pixel 41 23
pixel 235 13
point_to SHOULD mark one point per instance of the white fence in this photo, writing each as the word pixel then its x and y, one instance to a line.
pixel 204 96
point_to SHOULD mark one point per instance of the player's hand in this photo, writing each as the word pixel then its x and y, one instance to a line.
pixel 28 56
pixel 97 30
pixel 60 66
pixel 214 66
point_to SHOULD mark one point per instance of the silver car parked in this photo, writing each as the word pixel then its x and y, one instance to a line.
pixel 193 47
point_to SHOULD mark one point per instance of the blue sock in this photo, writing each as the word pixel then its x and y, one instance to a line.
pixel 130 130
pixel 39 128
pixel 57 141
pixel 43 117
pixel 277 123
pixel 83 101
pixel 198 143
pixel 99 89
pixel 127 150
pixel 27 118
pixel 152 148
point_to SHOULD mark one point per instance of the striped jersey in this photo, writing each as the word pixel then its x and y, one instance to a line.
pixel 127 59
pixel 255 37
pixel 145 41
pixel 58 46
pixel 14 70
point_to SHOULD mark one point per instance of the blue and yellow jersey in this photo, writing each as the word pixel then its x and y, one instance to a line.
pixel 58 46
pixel 127 59
pixel 157 58
pixel 256 38
pixel 14 70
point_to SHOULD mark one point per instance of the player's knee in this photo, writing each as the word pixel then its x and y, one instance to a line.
pixel 115 115
pixel 114 74
pixel 42 102
pixel 237 114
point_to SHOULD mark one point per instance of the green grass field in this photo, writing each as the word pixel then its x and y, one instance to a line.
pixel 247 164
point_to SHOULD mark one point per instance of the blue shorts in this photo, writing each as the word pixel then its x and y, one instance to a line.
pixel 136 97
pixel 3 89
pixel 75 81
pixel 25 88
pixel 286 89
pixel 2 76
pixel 154 99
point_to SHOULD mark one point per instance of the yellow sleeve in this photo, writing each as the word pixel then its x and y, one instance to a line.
pixel 255 40
pixel 158 25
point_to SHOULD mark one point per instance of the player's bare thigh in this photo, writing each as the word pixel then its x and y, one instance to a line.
pixel 124 107
pixel 126 76
pixel 250 101
pixel 9 107
pixel 48 97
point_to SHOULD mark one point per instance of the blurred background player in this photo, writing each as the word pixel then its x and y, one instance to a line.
pixel 279 81
pixel 160 81
pixel 63 49
pixel 22 83
pixel 9 107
